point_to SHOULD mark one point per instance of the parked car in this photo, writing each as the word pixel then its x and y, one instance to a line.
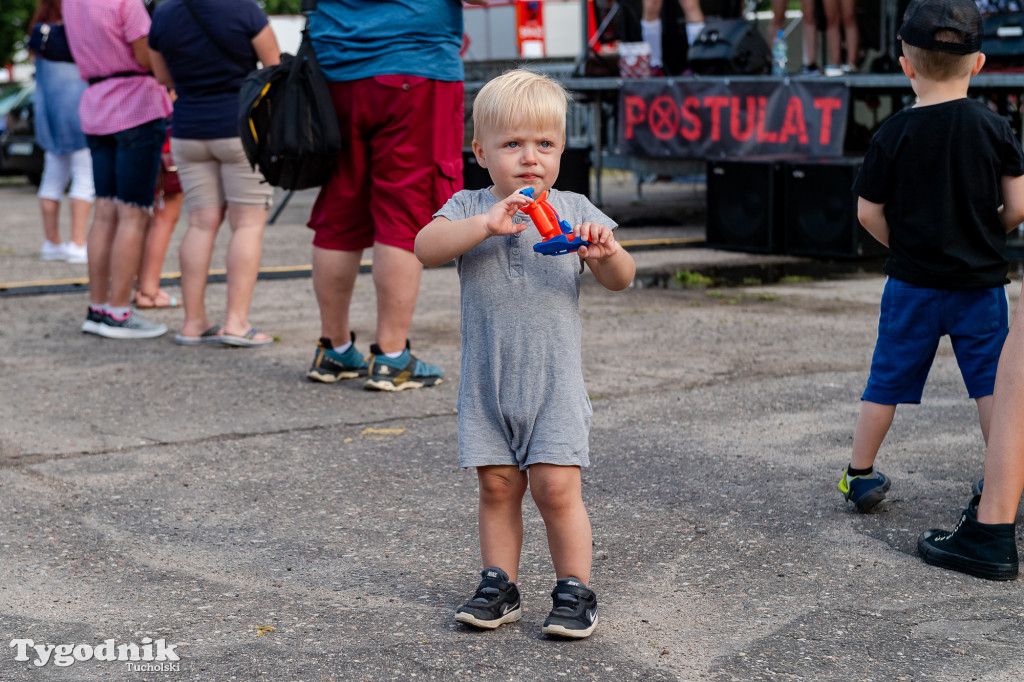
pixel 19 153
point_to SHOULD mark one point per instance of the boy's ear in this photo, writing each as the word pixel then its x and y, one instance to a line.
pixel 478 152
pixel 908 68
pixel 979 62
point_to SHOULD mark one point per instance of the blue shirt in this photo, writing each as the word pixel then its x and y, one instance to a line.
pixel 356 39
pixel 205 81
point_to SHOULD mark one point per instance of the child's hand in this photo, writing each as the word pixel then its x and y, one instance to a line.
pixel 602 241
pixel 499 219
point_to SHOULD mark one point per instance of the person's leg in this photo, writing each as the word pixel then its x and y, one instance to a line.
pixel 334 279
pixel 778 16
pixel 56 171
pixel 872 426
pixel 833 34
pixel 501 517
pixel 984 415
pixel 245 249
pixel 100 243
pixel 158 237
pixel 848 9
pixel 694 19
pixel 126 252
pixel 396 278
pixel 558 492
pixel 195 253
pixel 810 33
pixel 82 193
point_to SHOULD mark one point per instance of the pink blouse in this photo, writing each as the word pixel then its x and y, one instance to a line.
pixel 100 35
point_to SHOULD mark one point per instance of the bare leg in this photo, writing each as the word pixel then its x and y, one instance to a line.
pixel 833 34
pixel 245 249
pixel 51 219
pixel 80 209
pixel 558 492
pixel 101 239
pixel 126 252
pixel 985 415
pixel 872 425
pixel 849 18
pixel 778 16
pixel 501 517
pixel 810 32
pixel 396 277
pixel 334 278
pixel 158 237
pixel 195 253
pixel 1004 459
pixel 650 10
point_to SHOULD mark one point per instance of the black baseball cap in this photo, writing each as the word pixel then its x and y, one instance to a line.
pixel 924 18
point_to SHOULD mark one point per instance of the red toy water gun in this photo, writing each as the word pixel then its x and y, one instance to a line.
pixel 557 234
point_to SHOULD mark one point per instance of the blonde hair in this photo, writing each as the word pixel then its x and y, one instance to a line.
pixel 941 66
pixel 520 97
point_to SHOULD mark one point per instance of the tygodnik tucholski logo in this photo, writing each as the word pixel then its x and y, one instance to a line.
pixel 147 656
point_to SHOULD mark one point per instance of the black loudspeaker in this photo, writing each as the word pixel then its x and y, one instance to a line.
pixel 744 204
pixel 821 211
pixel 573 174
pixel 729 46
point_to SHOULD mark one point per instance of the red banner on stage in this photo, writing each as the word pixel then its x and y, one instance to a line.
pixel 697 119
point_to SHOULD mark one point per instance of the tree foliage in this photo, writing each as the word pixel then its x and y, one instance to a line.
pixel 14 18
pixel 281 6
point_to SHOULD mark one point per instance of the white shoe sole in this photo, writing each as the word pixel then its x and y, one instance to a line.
pixel 559 631
pixel 470 619
pixel 109 332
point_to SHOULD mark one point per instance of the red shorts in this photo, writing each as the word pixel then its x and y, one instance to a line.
pixel 401 159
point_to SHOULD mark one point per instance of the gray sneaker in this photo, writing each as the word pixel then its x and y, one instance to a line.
pixel 134 326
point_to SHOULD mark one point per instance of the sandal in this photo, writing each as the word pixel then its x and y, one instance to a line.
pixel 158 300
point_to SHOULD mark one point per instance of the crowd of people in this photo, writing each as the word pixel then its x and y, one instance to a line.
pixel 396 81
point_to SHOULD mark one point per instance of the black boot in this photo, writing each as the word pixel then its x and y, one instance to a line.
pixel 984 550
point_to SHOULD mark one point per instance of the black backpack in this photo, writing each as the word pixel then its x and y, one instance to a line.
pixel 287 122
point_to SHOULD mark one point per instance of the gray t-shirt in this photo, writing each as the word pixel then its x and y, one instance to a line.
pixel 521 394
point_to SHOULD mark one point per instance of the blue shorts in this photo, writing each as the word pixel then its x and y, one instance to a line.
pixel 912 321
pixel 125 164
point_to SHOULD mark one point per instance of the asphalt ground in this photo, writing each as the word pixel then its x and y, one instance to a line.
pixel 271 528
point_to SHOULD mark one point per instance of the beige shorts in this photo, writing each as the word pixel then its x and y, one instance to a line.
pixel 213 172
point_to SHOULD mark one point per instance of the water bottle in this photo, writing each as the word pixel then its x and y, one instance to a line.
pixel 779 55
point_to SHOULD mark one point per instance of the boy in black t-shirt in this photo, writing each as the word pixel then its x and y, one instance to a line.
pixel 941 185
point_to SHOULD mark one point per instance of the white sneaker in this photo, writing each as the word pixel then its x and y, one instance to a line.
pixel 51 251
pixel 76 254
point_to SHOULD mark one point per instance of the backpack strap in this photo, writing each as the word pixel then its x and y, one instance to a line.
pixel 237 59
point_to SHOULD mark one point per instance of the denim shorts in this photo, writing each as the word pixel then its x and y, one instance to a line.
pixel 125 164
pixel 912 321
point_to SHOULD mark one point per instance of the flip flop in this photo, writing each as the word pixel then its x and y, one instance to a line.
pixel 211 335
pixel 247 340
pixel 158 300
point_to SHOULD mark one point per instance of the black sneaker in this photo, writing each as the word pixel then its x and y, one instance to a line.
pixel 984 550
pixel 401 373
pixel 92 321
pixel 575 610
pixel 330 366
pixel 495 603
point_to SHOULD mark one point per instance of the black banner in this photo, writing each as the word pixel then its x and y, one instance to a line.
pixel 697 119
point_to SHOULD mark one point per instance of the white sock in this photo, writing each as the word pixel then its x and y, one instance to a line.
pixel 118 313
pixel 651 33
pixel 693 31
pixel 342 349
pixel 394 355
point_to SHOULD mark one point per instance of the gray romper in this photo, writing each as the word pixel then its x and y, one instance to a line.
pixel 521 394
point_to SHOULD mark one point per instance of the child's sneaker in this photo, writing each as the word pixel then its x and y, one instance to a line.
pixel 495 603
pixel 984 550
pixel 398 374
pixel 575 610
pixel 864 491
pixel 330 366
pixel 76 255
